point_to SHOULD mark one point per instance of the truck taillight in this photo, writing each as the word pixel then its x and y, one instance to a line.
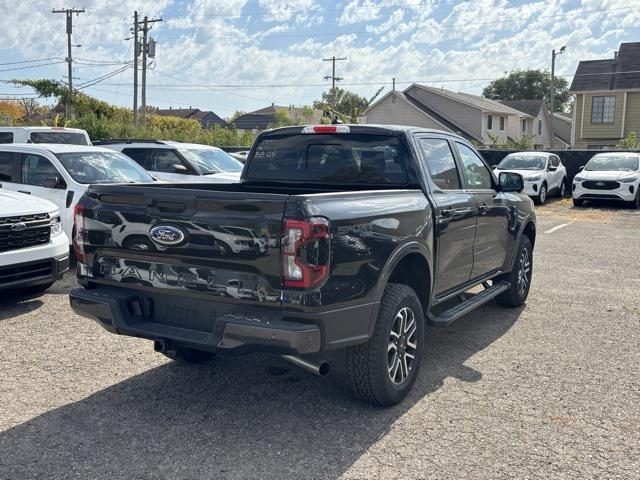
pixel 78 235
pixel 305 252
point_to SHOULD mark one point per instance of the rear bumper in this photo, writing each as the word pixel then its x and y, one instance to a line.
pixel 194 323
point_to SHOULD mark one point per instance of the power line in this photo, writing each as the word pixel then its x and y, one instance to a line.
pixel 32 66
pixel 30 61
pixel 191 85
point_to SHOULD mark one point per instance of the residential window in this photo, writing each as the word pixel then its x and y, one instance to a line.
pixel 603 109
pixel 539 127
pixel 489 122
pixel 501 123
pixel 524 126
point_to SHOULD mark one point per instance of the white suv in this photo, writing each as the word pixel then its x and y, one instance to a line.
pixel 609 176
pixel 62 173
pixel 543 173
pixel 180 162
pixel 34 251
pixel 70 136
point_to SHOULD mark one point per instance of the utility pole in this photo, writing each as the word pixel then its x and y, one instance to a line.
pixel 333 77
pixel 554 54
pixel 136 54
pixel 69 14
pixel 146 52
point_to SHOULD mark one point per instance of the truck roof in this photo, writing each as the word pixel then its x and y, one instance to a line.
pixel 52 147
pixel 371 129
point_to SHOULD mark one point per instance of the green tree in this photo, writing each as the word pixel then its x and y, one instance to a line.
pixel 529 85
pixel 348 106
pixel 630 142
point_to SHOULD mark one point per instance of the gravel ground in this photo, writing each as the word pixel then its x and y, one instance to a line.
pixel 548 391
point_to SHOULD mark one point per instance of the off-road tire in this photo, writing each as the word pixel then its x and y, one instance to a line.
pixel 188 355
pixel 367 368
pixel 578 203
pixel 516 295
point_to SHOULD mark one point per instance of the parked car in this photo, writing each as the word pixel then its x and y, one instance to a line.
pixel 241 156
pixel 372 233
pixel 544 174
pixel 69 136
pixel 34 250
pixel 609 176
pixel 180 162
pixel 62 173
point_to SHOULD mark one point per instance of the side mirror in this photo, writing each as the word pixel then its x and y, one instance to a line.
pixel 511 182
pixel 552 168
pixel 581 168
pixel 179 168
pixel 493 167
pixel 53 182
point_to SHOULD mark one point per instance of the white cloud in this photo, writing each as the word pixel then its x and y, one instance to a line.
pixel 359 11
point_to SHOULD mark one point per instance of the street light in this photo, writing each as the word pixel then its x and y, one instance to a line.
pixel 554 54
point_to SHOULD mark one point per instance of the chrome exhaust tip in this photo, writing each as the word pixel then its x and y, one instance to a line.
pixel 321 369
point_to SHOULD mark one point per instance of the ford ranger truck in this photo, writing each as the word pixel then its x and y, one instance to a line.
pixel 360 237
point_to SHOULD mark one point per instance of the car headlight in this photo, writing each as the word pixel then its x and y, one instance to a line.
pixel 628 179
pixel 535 178
pixel 56 226
pixel 578 178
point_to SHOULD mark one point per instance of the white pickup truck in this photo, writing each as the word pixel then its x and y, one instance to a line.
pixel 34 250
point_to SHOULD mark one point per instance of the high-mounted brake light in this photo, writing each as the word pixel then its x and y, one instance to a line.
pixel 58 128
pixel 326 129
pixel 305 252
pixel 78 238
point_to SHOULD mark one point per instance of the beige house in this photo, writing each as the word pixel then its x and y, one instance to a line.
pixel 540 126
pixel 606 99
pixel 471 116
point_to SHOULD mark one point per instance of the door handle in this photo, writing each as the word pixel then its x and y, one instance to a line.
pixel 24 191
pixel 446 212
pixel 483 209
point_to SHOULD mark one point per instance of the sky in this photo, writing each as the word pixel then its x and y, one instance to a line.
pixel 242 55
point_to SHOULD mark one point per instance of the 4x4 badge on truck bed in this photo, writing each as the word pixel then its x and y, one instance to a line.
pixel 166 235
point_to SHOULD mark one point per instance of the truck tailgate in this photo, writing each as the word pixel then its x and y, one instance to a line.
pixel 222 244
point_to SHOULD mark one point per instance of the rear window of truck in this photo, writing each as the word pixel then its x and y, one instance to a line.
pixel 67 138
pixel 329 158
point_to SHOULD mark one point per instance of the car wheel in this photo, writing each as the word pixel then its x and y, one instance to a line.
pixel 578 203
pixel 542 196
pixel 383 370
pixel 519 277
pixel 635 203
pixel 562 191
pixel 188 355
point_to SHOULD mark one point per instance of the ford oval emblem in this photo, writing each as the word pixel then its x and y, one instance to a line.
pixel 166 235
pixel 18 227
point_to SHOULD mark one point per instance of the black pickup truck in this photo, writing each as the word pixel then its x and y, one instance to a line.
pixel 338 237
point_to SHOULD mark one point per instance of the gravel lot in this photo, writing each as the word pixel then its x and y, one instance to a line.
pixel 548 391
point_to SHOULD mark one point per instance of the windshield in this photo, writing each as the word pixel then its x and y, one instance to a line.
pixel 621 163
pixel 522 162
pixel 330 158
pixel 67 138
pixel 209 161
pixel 102 167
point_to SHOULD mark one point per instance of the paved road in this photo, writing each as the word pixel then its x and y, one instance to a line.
pixel 548 391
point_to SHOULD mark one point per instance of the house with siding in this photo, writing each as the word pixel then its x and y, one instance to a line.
pixel 207 119
pixel 264 118
pixel 606 99
pixel 540 126
pixel 472 116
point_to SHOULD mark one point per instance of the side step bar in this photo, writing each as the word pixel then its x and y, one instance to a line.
pixel 445 318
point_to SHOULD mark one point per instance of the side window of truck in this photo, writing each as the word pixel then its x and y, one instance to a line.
pixel 478 176
pixel 7 162
pixel 6 137
pixel 440 163
pixel 140 156
pixel 35 169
